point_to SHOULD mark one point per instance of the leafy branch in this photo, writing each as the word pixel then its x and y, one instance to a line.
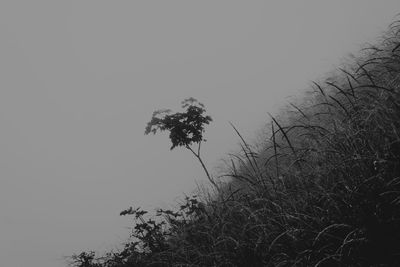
pixel 185 128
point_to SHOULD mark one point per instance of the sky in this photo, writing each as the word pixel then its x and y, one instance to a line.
pixel 79 81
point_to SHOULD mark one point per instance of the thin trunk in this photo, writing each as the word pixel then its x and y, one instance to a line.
pixel 197 155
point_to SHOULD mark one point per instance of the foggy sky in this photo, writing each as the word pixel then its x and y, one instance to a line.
pixel 79 80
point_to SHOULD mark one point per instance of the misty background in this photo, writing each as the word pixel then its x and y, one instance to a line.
pixel 79 80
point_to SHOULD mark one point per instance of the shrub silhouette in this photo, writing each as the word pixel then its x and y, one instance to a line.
pixel 185 128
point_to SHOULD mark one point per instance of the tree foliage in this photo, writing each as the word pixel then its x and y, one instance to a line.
pixel 185 128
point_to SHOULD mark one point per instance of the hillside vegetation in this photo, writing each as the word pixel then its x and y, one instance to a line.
pixel 324 190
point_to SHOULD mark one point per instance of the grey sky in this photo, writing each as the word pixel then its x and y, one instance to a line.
pixel 80 79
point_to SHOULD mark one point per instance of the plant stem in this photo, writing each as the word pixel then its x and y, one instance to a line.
pixel 197 155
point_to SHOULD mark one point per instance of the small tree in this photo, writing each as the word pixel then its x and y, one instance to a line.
pixel 185 129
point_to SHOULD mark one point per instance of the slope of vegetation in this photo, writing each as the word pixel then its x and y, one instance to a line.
pixel 324 190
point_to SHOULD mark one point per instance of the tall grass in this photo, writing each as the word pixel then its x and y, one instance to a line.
pixel 324 190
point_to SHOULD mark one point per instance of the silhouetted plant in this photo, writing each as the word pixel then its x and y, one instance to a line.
pixel 185 128
pixel 85 259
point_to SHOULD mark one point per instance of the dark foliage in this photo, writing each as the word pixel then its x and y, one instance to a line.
pixel 184 128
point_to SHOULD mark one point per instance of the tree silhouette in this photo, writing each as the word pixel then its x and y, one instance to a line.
pixel 185 128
